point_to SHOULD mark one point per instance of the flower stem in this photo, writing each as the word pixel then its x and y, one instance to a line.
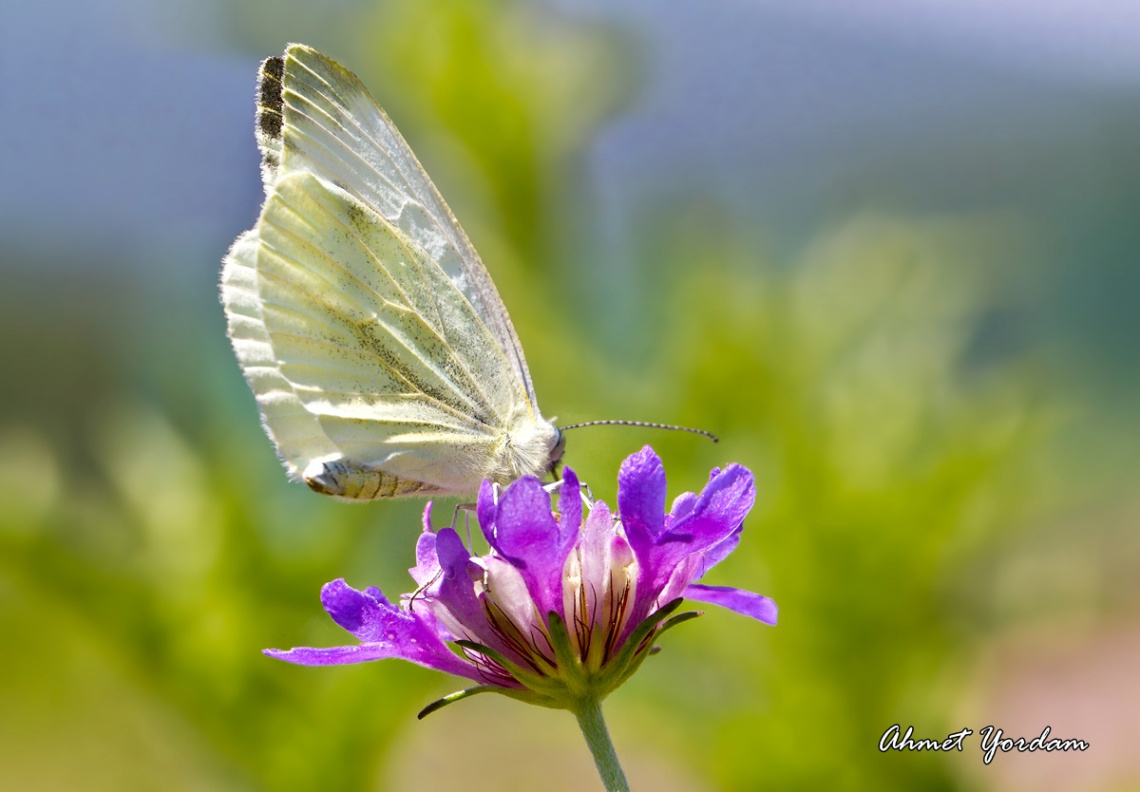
pixel 593 725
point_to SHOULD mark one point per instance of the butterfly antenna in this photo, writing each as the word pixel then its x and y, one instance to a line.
pixel 644 425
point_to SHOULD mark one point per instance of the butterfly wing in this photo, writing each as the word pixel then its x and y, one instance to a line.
pixel 379 351
pixel 334 128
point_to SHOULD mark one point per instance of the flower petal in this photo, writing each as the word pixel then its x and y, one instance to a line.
pixel 333 655
pixel 682 507
pixel 528 536
pixel 684 573
pixel 453 599
pixel 427 567
pixel 454 589
pixel 485 508
pixel 506 589
pixel 744 602
pixel 719 510
pixel 607 574
pixel 441 660
pixel 594 543
pixel 719 551
pixel 525 530
pixel 367 617
pixel 641 498
pixel 718 513
pixel 677 557
pixel 385 631
pixel 569 507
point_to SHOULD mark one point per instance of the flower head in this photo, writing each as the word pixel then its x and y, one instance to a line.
pixel 566 604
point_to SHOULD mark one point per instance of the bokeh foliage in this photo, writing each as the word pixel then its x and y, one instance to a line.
pixel 149 546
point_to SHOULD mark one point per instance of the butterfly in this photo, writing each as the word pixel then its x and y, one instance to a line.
pixel 379 351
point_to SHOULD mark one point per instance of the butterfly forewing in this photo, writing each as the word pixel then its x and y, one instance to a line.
pixel 334 128
pixel 362 295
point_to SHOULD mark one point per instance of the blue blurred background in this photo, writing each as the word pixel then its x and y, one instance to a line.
pixel 888 252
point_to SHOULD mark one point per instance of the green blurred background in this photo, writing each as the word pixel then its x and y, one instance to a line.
pixel 889 253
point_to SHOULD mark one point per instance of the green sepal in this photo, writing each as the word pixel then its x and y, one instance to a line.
pixel 568 660
pixel 451 698
pixel 674 621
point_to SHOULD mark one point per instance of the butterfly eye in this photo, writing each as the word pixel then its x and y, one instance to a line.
pixel 558 450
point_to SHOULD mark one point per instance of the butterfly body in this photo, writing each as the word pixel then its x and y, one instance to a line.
pixel 382 358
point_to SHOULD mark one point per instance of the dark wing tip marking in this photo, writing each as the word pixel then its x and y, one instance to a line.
pixel 271 98
pixel 273 66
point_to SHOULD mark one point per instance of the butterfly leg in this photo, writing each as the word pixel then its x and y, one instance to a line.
pixel 587 495
pixel 466 508
pixel 421 591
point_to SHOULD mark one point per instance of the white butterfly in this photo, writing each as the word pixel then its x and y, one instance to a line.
pixel 380 353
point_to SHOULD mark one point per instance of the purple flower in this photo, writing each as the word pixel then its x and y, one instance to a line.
pixel 561 610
